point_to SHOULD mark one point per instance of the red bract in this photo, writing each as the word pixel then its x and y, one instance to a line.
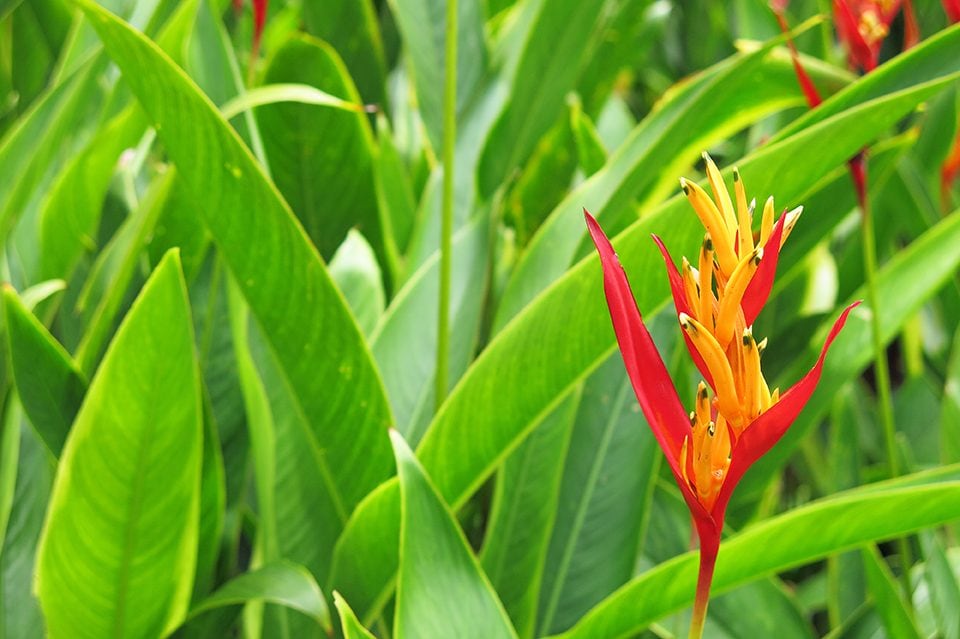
pixel 862 26
pixel 710 449
pixel 952 7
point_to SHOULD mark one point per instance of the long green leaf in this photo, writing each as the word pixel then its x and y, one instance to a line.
pixel 49 383
pixel 118 550
pixel 316 342
pixel 441 588
pixel 352 628
pixel 886 598
pixel 841 523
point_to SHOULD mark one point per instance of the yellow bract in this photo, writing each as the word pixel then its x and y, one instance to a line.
pixel 716 326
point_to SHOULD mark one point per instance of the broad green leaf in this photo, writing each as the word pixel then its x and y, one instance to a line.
pixel 321 158
pixel 280 582
pixel 422 25
pixel 404 343
pixel 886 598
pixel 212 503
pixel 546 70
pixel 523 513
pixel 19 609
pixel 608 477
pixel 71 213
pixel 118 549
pixel 565 333
pixel 441 588
pixel 115 269
pixel 49 383
pixel 355 270
pixel 352 628
pixel 841 523
pixel 350 26
pixel 302 315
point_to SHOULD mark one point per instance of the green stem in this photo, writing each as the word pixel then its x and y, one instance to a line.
pixel 446 224
pixel 881 367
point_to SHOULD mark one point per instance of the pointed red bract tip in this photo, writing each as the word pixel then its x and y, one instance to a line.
pixel 648 375
pixel 810 91
pixel 681 306
pixel 758 290
pixel 765 431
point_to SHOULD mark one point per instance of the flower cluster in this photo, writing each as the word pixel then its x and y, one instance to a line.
pixel 735 417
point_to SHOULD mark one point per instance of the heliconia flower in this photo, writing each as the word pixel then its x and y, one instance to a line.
pixel 863 25
pixel 710 448
pixel 259 19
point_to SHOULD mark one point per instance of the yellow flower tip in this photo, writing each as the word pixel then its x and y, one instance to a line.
pixel 736 174
pixel 684 187
pixel 762 346
pixel 790 221
pixel 686 323
pixel 757 255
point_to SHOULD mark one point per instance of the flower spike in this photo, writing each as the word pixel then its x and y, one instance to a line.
pixel 711 448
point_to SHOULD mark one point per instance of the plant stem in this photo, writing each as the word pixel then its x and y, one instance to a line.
pixel 446 222
pixel 858 170
pixel 709 546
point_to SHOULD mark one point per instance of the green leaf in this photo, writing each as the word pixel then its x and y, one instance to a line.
pixel 289 291
pixel 19 609
pixel 350 26
pixel 285 92
pixel 841 522
pixel 279 582
pixel 441 588
pixel 523 514
pixel 950 407
pixel 608 478
pixel 546 70
pixel 422 25
pixel 355 270
pixel 886 598
pixel 321 158
pixel 942 583
pixel 118 549
pixel 404 345
pixel 50 385
pixel 352 629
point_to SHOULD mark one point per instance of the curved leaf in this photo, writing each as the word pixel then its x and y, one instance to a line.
pixel 441 588
pixel 118 549
pixel 841 523
pixel 318 346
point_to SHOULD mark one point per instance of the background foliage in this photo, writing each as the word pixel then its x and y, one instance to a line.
pixel 223 287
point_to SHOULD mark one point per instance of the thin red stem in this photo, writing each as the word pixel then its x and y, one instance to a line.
pixel 709 547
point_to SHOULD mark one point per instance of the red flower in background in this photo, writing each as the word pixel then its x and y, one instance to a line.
pixel 952 7
pixel 863 25
pixel 710 449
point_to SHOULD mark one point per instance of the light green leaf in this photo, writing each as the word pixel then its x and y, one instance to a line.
pixel 279 582
pixel 355 270
pixel 352 629
pixel 50 385
pixel 289 291
pixel 886 599
pixel 523 514
pixel 441 588
pixel 546 70
pixel 277 93
pixel 841 522
pixel 118 549
pixel 422 25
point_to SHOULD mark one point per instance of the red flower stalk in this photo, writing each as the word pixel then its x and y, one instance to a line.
pixel 710 449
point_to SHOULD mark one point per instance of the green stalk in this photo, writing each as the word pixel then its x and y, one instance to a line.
pixel 881 368
pixel 446 223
